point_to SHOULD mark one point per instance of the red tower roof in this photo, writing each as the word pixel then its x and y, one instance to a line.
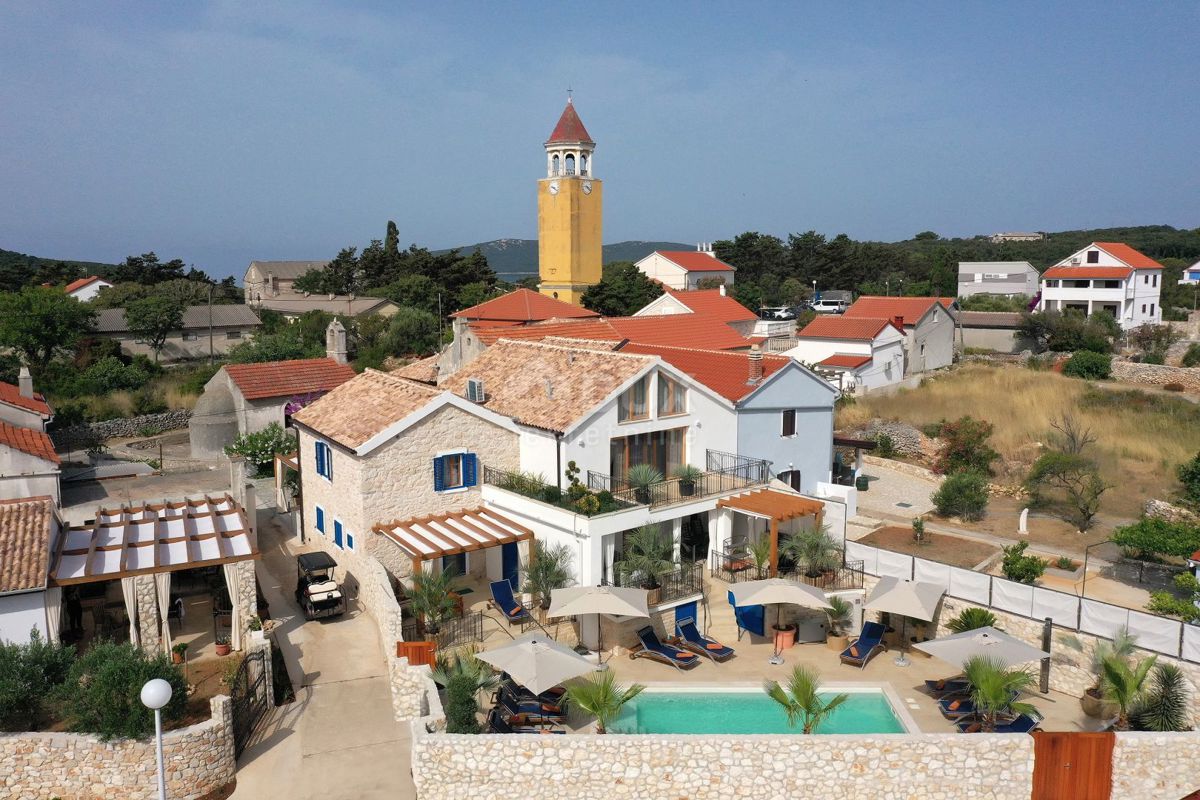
pixel 569 128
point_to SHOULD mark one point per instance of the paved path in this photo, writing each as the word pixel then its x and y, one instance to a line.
pixel 338 739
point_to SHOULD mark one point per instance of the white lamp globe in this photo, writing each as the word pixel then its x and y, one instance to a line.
pixel 156 693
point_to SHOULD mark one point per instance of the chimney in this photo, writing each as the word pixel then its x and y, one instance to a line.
pixel 755 364
pixel 898 320
pixel 335 342
pixel 25 383
pixel 721 288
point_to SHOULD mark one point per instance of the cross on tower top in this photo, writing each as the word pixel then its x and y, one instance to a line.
pixel 569 94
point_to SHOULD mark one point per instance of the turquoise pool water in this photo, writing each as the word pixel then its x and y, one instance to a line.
pixel 747 712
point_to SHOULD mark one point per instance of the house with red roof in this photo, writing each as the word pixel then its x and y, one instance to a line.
pixel 929 325
pixel 20 405
pixel 856 354
pixel 1109 278
pixel 685 269
pixel 87 288
pixel 29 466
pixel 716 303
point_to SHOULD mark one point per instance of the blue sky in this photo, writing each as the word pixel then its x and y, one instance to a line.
pixel 224 132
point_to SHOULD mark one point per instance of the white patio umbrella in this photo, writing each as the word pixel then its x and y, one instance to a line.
pixel 957 648
pixel 616 600
pixel 777 591
pixel 907 598
pixel 537 662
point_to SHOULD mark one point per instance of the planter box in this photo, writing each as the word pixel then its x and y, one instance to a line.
pixel 1071 575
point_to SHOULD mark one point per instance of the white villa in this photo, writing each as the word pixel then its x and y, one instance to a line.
pixel 1191 275
pixel 854 353
pixel 683 270
pixel 1108 277
pixel 86 289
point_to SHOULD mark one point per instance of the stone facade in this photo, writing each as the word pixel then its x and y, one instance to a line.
pixel 1156 374
pixel 1155 765
pixel 198 760
pixel 931 767
pixel 147 606
pixel 123 428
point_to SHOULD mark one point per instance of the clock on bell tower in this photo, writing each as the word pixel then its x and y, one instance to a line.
pixel 569 212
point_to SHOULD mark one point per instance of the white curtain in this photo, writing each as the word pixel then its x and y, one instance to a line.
pixel 233 584
pixel 162 582
pixel 53 613
pixel 129 591
pixel 610 553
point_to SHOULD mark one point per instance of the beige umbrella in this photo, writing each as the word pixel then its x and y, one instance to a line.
pixel 777 591
pixel 907 598
pixel 617 600
pixel 537 662
pixel 958 648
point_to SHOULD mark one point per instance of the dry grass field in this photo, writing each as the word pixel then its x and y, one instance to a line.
pixel 1141 436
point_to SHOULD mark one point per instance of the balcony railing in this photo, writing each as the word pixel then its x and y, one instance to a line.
pixel 727 472
pixel 737 565
pixel 594 501
pixel 450 633
pixel 685 581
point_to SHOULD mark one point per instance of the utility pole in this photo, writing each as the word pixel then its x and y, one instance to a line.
pixel 211 359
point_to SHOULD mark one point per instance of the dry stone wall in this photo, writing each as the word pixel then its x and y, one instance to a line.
pixel 1154 765
pixel 1156 374
pixel 123 428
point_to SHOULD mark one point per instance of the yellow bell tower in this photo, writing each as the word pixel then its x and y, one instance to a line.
pixel 569 206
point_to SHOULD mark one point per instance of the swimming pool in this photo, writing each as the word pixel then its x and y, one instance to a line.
pixel 749 710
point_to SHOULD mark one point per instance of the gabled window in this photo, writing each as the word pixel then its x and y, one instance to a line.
pixel 789 422
pixel 672 397
pixel 320 519
pixel 634 403
pixel 324 461
pixel 455 471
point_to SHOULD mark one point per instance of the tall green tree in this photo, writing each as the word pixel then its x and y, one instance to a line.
pixel 622 290
pixel 42 322
pixel 391 242
pixel 153 319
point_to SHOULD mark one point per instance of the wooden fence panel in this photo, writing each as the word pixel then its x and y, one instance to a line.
pixel 1072 766
pixel 417 653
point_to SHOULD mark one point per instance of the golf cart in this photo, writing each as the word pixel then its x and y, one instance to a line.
pixel 317 591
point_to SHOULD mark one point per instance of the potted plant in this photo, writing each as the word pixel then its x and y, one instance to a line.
pixel 179 652
pixel 816 550
pixel 1123 685
pixel 432 599
pixel 223 646
pixel 602 697
pixel 547 570
pixel 648 554
pixel 687 475
pixel 993 688
pixel 839 612
pixel 640 478
pixel 1121 647
pixel 760 554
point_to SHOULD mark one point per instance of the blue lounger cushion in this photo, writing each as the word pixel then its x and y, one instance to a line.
pixel 698 642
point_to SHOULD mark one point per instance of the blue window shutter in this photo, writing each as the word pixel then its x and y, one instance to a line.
pixel 439 474
pixel 320 519
pixel 349 540
pixel 328 463
pixel 468 465
pixel 337 533
pixel 319 448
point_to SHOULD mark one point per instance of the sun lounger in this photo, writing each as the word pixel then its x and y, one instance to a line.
pixel 552 696
pixel 948 686
pixel 498 724
pixel 655 650
pixel 955 708
pixel 869 642
pixel 530 710
pixel 698 643
pixel 503 599
pixel 1022 724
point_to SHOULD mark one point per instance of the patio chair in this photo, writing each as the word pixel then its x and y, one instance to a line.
pixel 530 710
pixel 552 696
pixel 655 650
pixel 503 599
pixel 957 708
pixel 497 724
pixel 700 644
pixel 947 686
pixel 1022 724
pixel 868 643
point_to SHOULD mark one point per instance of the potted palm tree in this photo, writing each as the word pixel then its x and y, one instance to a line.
pixel 460 678
pixel 549 569
pixel 602 697
pixel 1121 647
pixel 760 554
pixel 1124 684
pixel 802 701
pixel 648 554
pixel 992 690
pixel 839 612
pixel 431 598
pixel 816 550
pixel 641 477
pixel 687 476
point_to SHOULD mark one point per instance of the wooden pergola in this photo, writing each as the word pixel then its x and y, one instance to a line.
pixel 777 507
pixel 439 535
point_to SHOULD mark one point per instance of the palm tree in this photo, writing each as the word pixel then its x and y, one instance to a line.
pixel 760 552
pixel 549 569
pixel 1164 707
pixel 464 664
pixel 815 549
pixel 1123 685
pixel 801 700
pixel 993 687
pixel 602 697
pixel 431 598
pixel 972 618
pixel 648 554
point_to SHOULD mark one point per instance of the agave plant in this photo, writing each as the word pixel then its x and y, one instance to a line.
pixel 602 697
pixel 1124 684
pixel 993 687
pixel 801 701
pixel 641 477
pixel 1164 707
pixel 648 554
pixel 549 569
pixel 972 618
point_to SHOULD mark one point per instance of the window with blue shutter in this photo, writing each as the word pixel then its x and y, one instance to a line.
pixel 337 532
pixel 439 474
pixel 468 469
pixel 455 471
pixel 349 540
pixel 320 519
pixel 324 461
pixel 319 449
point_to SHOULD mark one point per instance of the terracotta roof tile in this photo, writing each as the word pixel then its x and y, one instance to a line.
pixel 724 372
pixel 424 370
pixel 695 261
pixel 716 304
pixel 846 360
pixel 364 406
pixel 288 378
pixel 569 128
pixel 544 386
pixel 911 308
pixel 591 329
pixel 1127 254
pixel 35 443
pixel 12 396
pixel 672 330
pixel 843 327
pixel 75 286
pixel 523 305
pixel 26 527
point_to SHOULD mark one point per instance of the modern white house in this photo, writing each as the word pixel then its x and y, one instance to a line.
pixel 29 467
pixel 856 354
pixel 1106 277
pixel 683 270
pixel 86 289
pixel 1191 275
pixel 1004 278
pixel 928 324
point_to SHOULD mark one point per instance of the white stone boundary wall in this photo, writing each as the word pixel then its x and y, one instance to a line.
pixel 1153 765
pixel 198 760
pixel 831 767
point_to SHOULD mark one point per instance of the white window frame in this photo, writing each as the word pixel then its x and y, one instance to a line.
pixel 322 517
pixel 461 451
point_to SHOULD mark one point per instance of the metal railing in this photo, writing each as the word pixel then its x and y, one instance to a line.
pixel 753 470
pixel 450 633
pixel 727 472
pixel 737 565
pixel 847 576
pixel 533 487
pixel 686 580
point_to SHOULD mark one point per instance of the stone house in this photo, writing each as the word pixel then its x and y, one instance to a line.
pixel 21 406
pixel 266 279
pixel 201 335
pixel 29 467
pixel 929 325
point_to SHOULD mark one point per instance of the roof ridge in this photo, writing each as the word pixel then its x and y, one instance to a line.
pixel 706 351
pixel 400 381
pixel 564 348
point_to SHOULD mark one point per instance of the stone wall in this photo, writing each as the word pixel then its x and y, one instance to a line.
pixel 1156 374
pixel 1155 765
pixel 904 468
pixel 831 767
pixel 198 760
pixel 122 428
pixel 1161 509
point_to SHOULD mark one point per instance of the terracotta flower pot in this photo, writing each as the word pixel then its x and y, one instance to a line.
pixel 176 658
pixel 224 649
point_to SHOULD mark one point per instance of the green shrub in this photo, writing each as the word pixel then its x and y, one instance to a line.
pixel 551 494
pixel 885 447
pixel 461 706
pixel 1088 365
pixel 1152 358
pixel 194 380
pixel 1154 536
pixel 102 693
pixel 1189 476
pixel 1191 358
pixel 965 447
pixel 29 673
pixel 148 401
pixel 962 494
pixel 109 375
pixel 971 618
pixel 260 447
pixel 1019 567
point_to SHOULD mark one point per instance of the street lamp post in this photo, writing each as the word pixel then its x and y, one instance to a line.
pixel 156 694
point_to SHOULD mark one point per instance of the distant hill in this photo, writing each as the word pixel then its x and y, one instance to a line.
pixel 14 263
pixel 513 258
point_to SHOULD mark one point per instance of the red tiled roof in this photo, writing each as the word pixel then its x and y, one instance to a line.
pixel 714 303
pixel 523 305
pixel 724 372
pixel 35 443
pixel 581 329
pixel 911 308
pixel 12 396
pixel 843 327
pixel 1127 254
pixel 845 360
pixel 695 261
pixel 672 330
pixel 1083 273
pixel 287 378
pixel 79 284
pixel 569 128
